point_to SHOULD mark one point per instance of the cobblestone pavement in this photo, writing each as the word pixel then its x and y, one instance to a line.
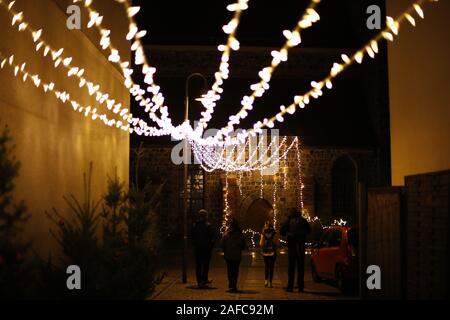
pixel 251 283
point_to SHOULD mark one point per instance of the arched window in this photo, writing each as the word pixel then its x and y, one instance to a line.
pixel 344 189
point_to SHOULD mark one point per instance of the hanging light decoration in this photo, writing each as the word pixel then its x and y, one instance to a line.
pixel 226 209
pixel 20 71
pixel 318 87
pixel 224 138
pixel 275 207
pixel 151 105
pixel 60 60
pixel 293 39
pixel 213 95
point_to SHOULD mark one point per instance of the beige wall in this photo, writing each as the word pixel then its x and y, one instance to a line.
pixel 53 143
pixel 419 83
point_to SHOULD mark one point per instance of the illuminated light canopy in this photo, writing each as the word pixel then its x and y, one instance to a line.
pixel 370 49
pixel 293 39
pixel 211 159
pixel 57 56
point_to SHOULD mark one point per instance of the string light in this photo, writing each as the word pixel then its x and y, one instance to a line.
pixel 300 180
pixel 275 208
pixel 253 235
pixel 285 168
pixel 20 70
pixel 59 59
pixel 211 160
pixel 309 17
pixel 223 137
pixel 213 95
pixel 261 185
pixel 226 209
pixel 339 222
pixel 318 87
pixel 239 182
pixel 151 105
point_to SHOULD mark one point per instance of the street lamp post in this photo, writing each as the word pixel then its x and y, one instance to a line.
pixel 186 170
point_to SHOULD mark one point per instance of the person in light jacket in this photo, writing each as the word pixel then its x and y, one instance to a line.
pixel 269 246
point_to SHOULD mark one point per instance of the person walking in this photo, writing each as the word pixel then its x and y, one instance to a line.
pixel 203 237
pixel 296 228
pixel 269 246
pixel 233 243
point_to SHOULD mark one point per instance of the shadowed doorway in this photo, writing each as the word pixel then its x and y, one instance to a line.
pixel 257 213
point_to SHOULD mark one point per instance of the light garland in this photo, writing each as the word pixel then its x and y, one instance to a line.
pixel 253 235
pixel 211 160
pixel 213 95
pixel 223 137
pixel 239 182
pixel 274 207
pixel 285 168
pixel 151 105
pixel 339 222
pixel 299 166
pixel 261 185
pixel 226 209
pixel 63 96
pixel 309 17
pixel 59 60
pixel 371 49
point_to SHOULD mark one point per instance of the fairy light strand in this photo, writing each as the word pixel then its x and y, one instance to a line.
pixel 213 95
pixel 63 96
pixel 293 39
pixel 59 59
pixel 151 105
pixel 371 49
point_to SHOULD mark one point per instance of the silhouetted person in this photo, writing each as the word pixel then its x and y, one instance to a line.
pixel 203 237
pixel 233 243
pixel 269 246
pixel 296 228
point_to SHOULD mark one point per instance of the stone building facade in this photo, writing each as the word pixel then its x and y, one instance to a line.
pixel 345 136
pixel 329 177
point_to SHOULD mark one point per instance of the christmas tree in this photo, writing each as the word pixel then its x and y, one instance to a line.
pixel 15 273
pixel 114 246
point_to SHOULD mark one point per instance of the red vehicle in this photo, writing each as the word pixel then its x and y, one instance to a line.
pixel 335 256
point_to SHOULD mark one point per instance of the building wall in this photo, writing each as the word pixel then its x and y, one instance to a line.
pixel 419 95
pixel 427 235
pixel 53 143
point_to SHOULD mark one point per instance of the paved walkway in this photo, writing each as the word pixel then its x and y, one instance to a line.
pixel 251 283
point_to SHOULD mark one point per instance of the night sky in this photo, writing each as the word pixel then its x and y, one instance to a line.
pixel 338 118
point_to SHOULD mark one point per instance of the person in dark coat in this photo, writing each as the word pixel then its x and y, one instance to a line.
pixel 233 243
pixel 295 229
pixel 203 237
